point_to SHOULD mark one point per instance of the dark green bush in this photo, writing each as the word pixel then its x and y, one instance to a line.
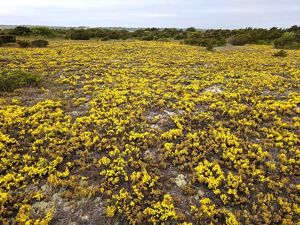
pixel 205 42
pixel 148 38
pixel 43 31
pixel 262 42
pixel 240 39
pixel 190 35
pixel 39 43
pixel 281 53
pixel 13 79
pixel 179 36
pixel 21 31
pixel 105 39
pixel 210 47
pixel 288 40
pixel 190 29
pixel 78 35
pixel 23 43
pixel 7 39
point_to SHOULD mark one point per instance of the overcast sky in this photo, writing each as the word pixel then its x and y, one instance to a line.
pixel 152 13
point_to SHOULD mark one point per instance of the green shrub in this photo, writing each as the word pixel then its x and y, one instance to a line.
pixel 7 39
pixel 13 79
pixel 148 38
pixel 105 39
pixel 262 42
pixel 78 35
pixel 240 39
pixel 288 40
pixel 179 37
pixel 191 29
pixel 209 47
pixel 281 53
pixel 23 43
pixel 39 43
pixel 43 31
pixel 21 31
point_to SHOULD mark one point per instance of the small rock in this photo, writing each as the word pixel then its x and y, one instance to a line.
pixel 85 217
pixel 149 154
pixel 68 207
pixel 151 115
pixel 46 188
pixel 169 113
pixel 72 223
pixel 180 180
pixel 292 186
pixel 98 200
pixel 39 208
pixel 57 199
pixel 214 89
pixel 82 202
pixel 83 183
pixel 201 193
pixel 75 113
pixel 154 126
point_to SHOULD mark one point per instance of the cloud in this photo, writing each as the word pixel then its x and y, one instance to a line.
pixel 160 13
pixel 153 15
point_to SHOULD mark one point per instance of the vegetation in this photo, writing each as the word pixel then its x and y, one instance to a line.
pixel 21 31
pixel 139 132
pixel 281 53
pixel 240 39
pixel 7 39
pixel 39 43
pixel 208 38
pixel 78 35
pixel 23 43
pixel 288 40
pixel 43 31
pixel 282 38
pixel 209 47
pixel 13 79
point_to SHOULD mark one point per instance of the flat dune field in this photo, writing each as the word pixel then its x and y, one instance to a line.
pixel 133 132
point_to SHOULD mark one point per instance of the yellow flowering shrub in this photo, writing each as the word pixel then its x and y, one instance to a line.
pixel 161 212
pixel 211 174
pixel 150 132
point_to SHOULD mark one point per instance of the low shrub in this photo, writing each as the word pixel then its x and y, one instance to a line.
pixel 262 42
pixel 78 35
pixel 240 39
pixel 281 53
pixel 13 79
pixel 105 39
pixel 39 43
pixel 288 40
pixel 23 43
pixel 210 47
pixel 10 45
pixel 7 39
pixel 204 40
pixel 43 31
pixel 21 31
pixel 148 38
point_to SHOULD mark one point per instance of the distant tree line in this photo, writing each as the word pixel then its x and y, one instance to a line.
pixel 281 38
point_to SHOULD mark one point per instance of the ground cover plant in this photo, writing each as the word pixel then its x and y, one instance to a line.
pixel 137 132
pixel 13 79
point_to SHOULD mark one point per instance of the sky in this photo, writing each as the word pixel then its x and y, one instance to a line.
pixel 204 14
